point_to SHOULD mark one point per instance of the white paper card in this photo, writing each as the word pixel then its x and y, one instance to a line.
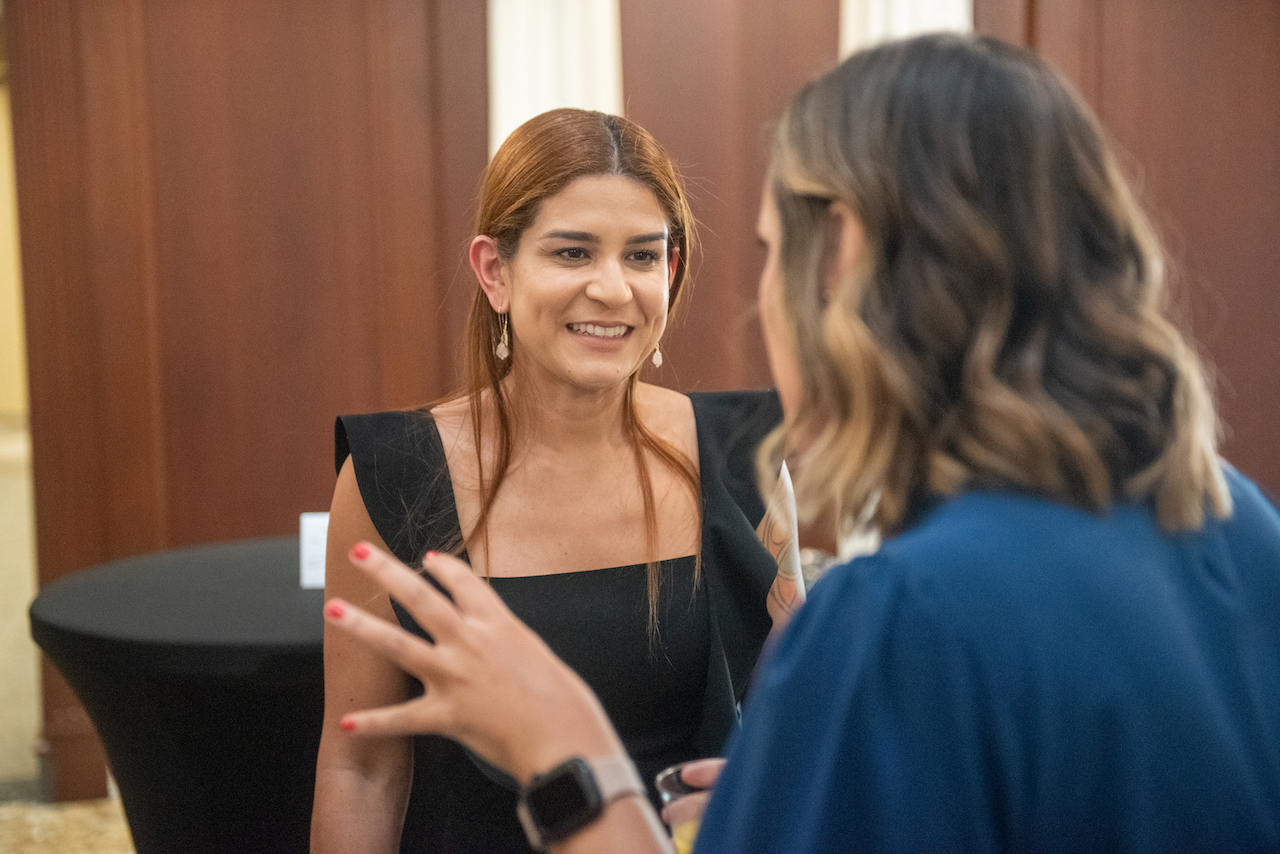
pixel 313 532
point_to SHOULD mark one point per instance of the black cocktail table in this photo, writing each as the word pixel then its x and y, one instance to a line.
pixel 202 671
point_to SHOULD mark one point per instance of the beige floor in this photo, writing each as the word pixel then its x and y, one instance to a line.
pixel 84 827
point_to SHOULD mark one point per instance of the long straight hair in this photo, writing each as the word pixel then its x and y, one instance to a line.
pixel 1006 327
pixel 538 160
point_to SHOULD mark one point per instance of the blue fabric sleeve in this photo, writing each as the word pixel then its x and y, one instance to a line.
pixel 1019 675
pixel 859 713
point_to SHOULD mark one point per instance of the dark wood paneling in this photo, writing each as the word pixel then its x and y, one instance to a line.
pixel 262 129
pixel 460 117
pixel 1069 34
pixel 1009 20
pixel 237 221
pixel 1190 91
pixel 707 79
pixel 1187 91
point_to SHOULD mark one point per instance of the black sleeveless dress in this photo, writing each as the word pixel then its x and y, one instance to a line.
pixel 671 698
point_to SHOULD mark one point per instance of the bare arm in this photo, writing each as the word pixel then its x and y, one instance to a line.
pixel 484 659
pixel 362 785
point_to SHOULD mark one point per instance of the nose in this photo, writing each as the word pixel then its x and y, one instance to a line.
pixel 609 287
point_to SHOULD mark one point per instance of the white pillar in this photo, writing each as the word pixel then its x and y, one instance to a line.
pixel 545 54
pixel 865 22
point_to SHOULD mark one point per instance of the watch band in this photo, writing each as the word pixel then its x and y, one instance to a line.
pixel 555 805
pixel 616 777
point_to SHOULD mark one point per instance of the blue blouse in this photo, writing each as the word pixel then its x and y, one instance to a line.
pixel 1011 674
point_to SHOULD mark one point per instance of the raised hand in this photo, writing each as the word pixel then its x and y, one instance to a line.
pixel 490 682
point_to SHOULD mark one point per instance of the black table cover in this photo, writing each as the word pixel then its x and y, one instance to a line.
pixel 202 671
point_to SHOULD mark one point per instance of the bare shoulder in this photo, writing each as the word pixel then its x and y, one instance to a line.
pixel 455 413
pixel 669 414
pixel 453 422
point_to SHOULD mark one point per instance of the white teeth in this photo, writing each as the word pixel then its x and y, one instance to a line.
pixel 598 331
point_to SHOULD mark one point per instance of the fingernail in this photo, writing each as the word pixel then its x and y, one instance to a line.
pixel 431 556
pixel 348 724
pixel 360 551
pixel 334 609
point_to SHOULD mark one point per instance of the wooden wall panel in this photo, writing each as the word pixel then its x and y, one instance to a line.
pixel 1069 34
pixel 87 391
pixel 708 88
pixel 460 117
pixel 1009 20
pixel 1187 91
pixel 237 221
pixel 1190 91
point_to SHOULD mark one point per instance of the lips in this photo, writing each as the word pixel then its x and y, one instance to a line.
pixel 595 330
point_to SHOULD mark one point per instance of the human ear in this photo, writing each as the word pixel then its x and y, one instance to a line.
pixel 490 271
pixel 672 263
pixel 846 245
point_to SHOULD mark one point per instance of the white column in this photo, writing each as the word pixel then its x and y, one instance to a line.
pixel 545 54
pixel 865 22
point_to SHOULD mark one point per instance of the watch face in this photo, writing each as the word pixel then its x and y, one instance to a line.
pixel 558 796
pixel 564 800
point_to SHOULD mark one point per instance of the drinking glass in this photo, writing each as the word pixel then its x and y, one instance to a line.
pixel 683 814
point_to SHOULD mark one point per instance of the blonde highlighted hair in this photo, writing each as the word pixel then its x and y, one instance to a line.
pixel 1006 324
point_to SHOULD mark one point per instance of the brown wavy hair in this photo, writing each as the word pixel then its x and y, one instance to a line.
pixel 538 160
pixel 1007 325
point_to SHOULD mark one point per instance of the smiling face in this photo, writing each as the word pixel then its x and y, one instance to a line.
pixel 587 290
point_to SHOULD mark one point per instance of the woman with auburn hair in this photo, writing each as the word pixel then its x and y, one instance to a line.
pixel 1069 638
pixel 615 517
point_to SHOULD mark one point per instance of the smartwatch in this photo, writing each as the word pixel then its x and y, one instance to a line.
pixel 555 805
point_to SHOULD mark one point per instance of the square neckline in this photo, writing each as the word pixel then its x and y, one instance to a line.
pixel 456 521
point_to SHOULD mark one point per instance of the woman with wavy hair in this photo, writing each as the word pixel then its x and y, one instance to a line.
pixel 615 517
pixel 1069 638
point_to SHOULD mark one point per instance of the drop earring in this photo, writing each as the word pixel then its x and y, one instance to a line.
pixel 503 350
pixel 657 357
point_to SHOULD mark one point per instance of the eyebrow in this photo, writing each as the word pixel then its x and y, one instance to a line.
pixel 588 237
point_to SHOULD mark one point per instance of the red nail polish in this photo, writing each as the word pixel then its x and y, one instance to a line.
pixel 334 609
pixel 360 551
pixel 348 725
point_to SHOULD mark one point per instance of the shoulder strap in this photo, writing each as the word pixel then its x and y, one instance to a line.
pixel 403 476
pixel 731 425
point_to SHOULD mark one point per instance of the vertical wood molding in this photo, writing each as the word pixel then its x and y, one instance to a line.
pixel 428 71
pixel 45 72
pixel 460 121
pixel 1007 20
pixel 133 490
pixel 1068 33
pixel 708 89
pixel 404 183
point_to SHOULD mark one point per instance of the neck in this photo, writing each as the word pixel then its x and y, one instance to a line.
pixel 566 419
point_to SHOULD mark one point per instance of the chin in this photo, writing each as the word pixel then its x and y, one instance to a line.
pixel 601 380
